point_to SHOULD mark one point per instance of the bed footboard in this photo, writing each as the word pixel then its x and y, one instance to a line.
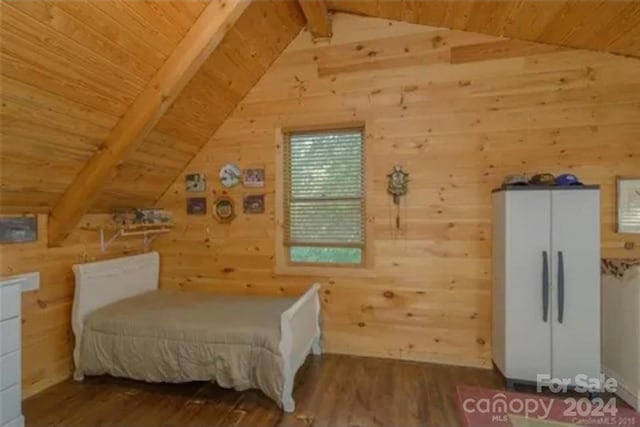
pixel 300 334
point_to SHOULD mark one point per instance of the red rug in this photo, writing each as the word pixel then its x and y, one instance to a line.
pixel 483 407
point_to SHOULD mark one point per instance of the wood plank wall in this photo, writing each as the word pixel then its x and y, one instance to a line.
pixel 459 111
pixel 47 339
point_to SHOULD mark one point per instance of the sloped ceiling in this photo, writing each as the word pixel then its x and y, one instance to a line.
pixel 602 25
pixel 245 54
pixel 71 69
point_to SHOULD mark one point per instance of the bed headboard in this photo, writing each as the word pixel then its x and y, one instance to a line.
pixel 105 282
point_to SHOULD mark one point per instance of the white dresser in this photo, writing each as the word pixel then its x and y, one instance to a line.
pixel 10 365
pixel 621 332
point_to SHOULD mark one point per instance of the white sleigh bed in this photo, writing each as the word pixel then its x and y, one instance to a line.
pixel 125 326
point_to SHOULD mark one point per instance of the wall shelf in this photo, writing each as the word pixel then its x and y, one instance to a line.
pixel 148 231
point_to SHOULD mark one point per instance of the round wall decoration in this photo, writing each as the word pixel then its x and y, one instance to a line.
pixel 230 175
pixel 224 209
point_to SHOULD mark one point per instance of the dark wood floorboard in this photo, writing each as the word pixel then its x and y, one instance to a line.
pixel 331 391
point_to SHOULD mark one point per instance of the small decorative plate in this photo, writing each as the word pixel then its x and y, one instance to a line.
pixel 230 175
pixel 224 209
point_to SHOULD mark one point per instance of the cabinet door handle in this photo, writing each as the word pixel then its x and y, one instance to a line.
pixel 560 287
pixel 545 286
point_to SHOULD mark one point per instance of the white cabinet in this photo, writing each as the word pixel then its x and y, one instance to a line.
pixel 546 282
pixel 10 328
pixel 621 333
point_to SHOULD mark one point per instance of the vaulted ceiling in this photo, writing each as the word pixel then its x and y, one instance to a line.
pixel 603 25
pixel 70 71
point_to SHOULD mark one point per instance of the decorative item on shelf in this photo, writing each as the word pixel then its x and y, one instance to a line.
pixel 567 179
pixel 196 205
pixel 19 229
pixel 151 216
pixel 230 175
pixel 628 205
pixel 130 222
pixel 543 179
pixel 253 177
pixel 253 204
pixel 398 186
pixel 123 216
pixel 196 182
pixel 224 209
pixel 516 180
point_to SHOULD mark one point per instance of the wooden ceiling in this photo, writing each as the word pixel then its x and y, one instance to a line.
pixel 245 54
pixel 602 25
pixel 71 70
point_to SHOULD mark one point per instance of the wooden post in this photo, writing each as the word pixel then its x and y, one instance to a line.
pixel 317 16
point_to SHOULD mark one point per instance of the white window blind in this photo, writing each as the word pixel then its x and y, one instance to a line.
pixel 324 194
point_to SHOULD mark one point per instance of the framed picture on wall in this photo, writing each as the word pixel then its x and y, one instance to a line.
pixel 20 229
pixel 628 205
pixel 195 182
pixel 253 178
pixel 253 204
pixel 224 209
pixel 196 206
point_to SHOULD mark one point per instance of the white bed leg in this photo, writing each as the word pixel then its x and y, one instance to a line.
pixel 288 404
pixel 316 347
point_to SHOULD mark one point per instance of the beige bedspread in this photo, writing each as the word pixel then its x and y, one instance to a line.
pixel 172 336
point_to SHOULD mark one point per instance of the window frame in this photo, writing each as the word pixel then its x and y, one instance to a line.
pixel 283 264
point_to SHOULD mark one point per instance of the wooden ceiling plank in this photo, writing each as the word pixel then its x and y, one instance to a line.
pixel 489 17
pixel 110 29
pixel 143 11
pixel 203 37
pixel 34 97
pixel 42 142
pixel 628 28
pixel 177 14
pixel 154 12
pixel 194 8
pixel 137 26
pixel 30 38
pixel 585 24
pixel 12 110
pixel 630 41
pixel 358 7
pixel 611 25
pixel 42 78
pixel 431 13
pixel 80 72
pixel 78 39
pixel 54 140
pixel 318 20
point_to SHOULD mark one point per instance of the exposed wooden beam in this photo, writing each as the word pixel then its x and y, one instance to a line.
pixel 143 114
pixel 317 15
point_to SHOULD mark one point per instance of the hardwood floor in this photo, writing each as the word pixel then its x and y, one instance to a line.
pixel 333 390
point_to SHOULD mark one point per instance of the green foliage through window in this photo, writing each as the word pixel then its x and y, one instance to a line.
pixel 324 196
pixel 311 254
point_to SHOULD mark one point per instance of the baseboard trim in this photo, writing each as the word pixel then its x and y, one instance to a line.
pixel 625 392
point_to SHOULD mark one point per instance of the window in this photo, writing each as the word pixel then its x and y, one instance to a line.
pixel 324 197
